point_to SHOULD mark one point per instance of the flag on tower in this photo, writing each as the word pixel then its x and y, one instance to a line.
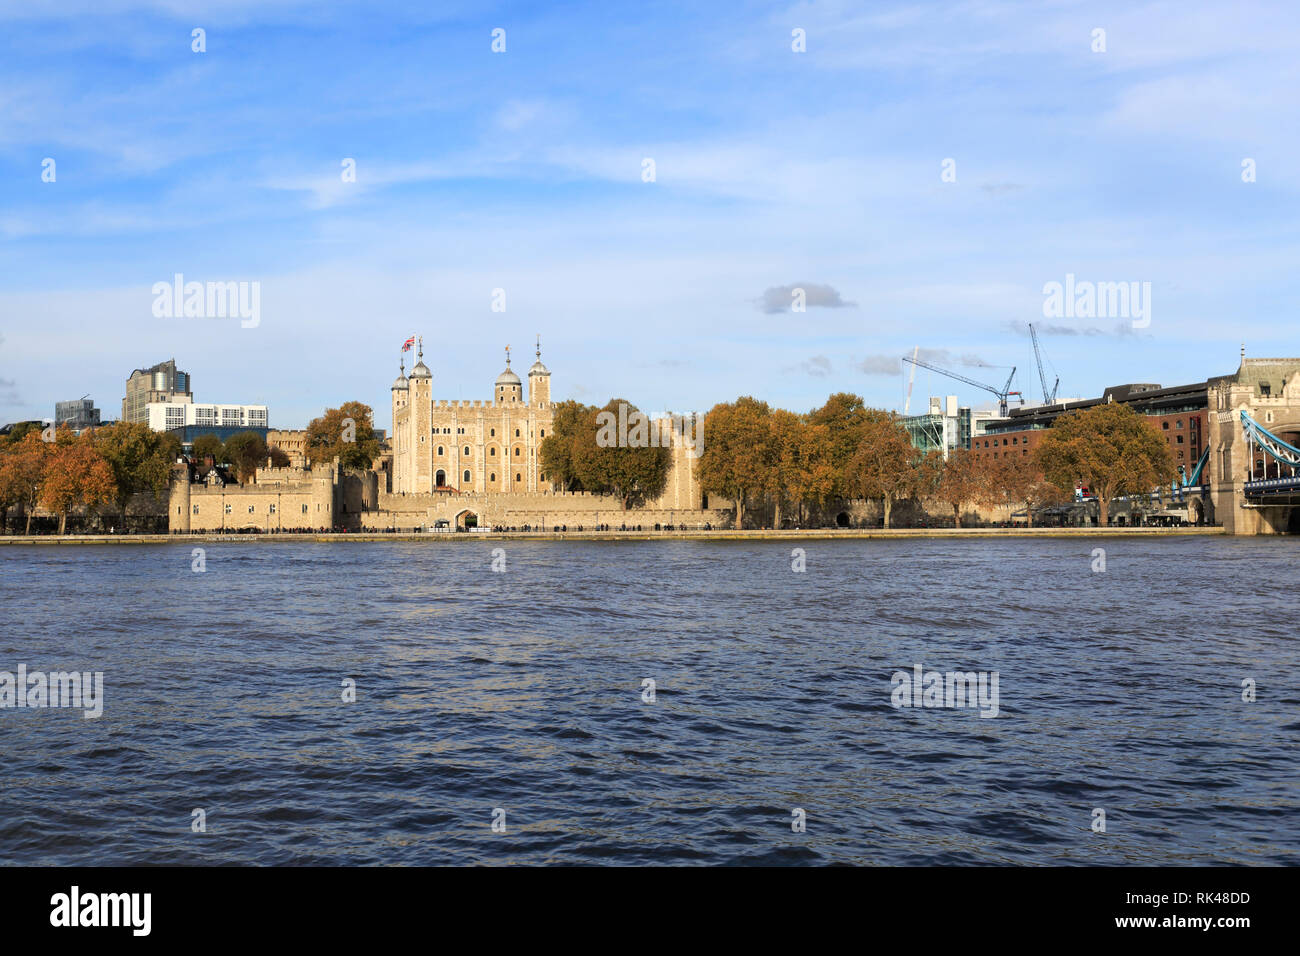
pixel 406 346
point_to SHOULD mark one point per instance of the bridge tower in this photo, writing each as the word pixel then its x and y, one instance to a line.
pixel 1268 390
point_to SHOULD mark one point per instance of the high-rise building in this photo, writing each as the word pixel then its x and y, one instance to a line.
pixel 77 414
pixel 161 383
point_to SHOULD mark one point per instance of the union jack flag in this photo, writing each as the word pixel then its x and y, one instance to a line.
pixel 406 346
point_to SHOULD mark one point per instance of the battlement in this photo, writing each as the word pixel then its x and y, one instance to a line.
pixel 290 475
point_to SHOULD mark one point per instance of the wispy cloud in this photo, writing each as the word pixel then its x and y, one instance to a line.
pixel 819 366
pixel 525 171
pixel 894 365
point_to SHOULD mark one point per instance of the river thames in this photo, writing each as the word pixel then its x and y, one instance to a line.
pixel 520 697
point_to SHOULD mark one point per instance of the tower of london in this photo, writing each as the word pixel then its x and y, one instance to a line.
pixel 470 447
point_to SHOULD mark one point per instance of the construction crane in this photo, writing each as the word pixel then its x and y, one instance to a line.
pixel 1049 398
pixel 1002 393
pixel 908 403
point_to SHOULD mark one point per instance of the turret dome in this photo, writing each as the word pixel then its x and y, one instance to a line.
pixel 421 370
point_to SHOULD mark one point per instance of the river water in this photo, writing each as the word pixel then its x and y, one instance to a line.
pixel 518 697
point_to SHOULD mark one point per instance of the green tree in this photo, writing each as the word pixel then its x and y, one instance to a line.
pixel 346 432
pixel 22 429
pixel 632 470
pixel 557 451
pixel 209 445
pixel 245 453
pixel 1110 448
pixel 140 457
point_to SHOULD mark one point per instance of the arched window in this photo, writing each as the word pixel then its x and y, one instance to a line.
pixel 467 451
pixel 493 433
pixel 492 477
pixel 518 477
pixel 467 476
pixel 440 450
pixel 516 432
pixel 492 452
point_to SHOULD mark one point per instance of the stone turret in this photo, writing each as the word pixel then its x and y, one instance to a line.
pixel 539 381
pixel 178 512
pixel 508 386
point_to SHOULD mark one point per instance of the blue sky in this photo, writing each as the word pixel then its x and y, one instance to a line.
pixel 522 171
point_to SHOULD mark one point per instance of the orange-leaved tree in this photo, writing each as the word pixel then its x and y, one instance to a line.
pixel 885 465
pixel 740 452
pixel 958 482
pixel 76 474
pixel 1110 448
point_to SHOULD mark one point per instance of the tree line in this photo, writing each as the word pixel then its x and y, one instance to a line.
pixel 784 464
pixel 101 468
pixel 789 464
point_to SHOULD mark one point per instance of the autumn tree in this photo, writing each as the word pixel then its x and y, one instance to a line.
pixel 76 474
pixel 885 465
pixel 846 419
pixel 346 432
pixel 786 434
pixel 739 452
pixel 1022 481
pixel 813 477
pixel 1110 448
pixel 557 451
pixel 24 472
pixel 958 482
pixel 14 485
pixel 140 457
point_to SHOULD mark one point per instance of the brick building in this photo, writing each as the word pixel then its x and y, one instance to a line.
pixel 1178 412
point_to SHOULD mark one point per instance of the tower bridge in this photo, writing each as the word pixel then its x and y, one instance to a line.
pixel 1254 447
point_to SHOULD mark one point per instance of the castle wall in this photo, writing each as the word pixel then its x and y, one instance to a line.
pixel 279 499
pixel 536 509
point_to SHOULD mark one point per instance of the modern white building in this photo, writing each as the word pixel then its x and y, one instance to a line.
pixel 197 418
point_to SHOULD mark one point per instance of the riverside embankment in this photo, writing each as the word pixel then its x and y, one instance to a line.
pixel 713 535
